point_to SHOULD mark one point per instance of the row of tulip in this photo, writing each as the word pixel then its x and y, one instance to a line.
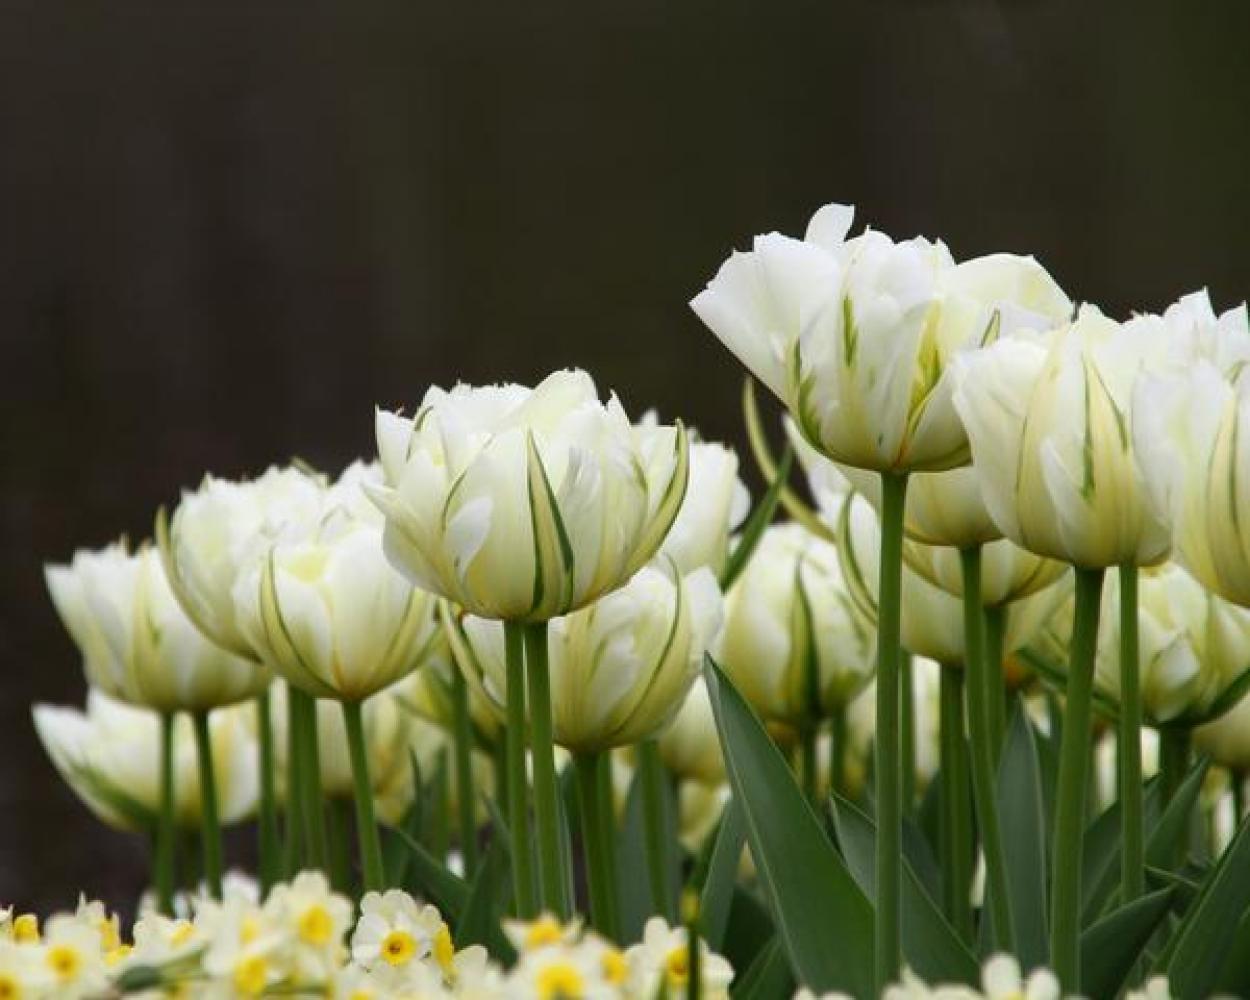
pixel 523 570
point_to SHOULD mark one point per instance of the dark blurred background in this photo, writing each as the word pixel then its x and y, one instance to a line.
pixel 228 230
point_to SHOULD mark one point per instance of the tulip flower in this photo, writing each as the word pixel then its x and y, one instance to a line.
pixel 689 745
pixel 522 505
pixel 856 336
pixel 327 610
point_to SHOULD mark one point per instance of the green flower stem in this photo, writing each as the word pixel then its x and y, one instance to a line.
pixel 366 825
pixel 807 761
pixel 655 827
pixel 956 838
pixel 1132 851
pixel 607 830
pixel 518 783
pixel 1173 759
pixel 1065 901
pixel 211 844
pixel 338 823
pixel 995 682
pixel 599 875
pixel 294 847
pixel 837 750
pixel 542 755
pixel 316 851
pixel 164 861
pixel 466 800
pixel 907 730
pixel 267 818
pixel 889 788
pixel 980 730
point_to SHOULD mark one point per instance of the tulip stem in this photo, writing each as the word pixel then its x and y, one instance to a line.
pixel 599 875
pixel 980 731
pixel 211 845
pixel 165 821
pixel 518 783
pixel 542 751
pixel 655 827
pixel 907 730
pixel 1132 857
pixel 366 825
pixel 607 832
pixel 995 682
pixel 889 789
pixel 310 778
pixel 1173 759
pixel 267 819
pixel 466 801
pixel 294 787
pixel 1065 902
pixel 955 833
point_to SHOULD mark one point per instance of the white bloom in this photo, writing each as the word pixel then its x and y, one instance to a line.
pixel 314 918
pixel 662 961
pixel 394 936
pixel 1001 980
pixel 525 504
pixel 690 746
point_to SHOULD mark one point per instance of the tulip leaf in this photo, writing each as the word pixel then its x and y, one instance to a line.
pixel 759 520
pixel 1235 974
pixel 1022 815
pixel 1111 946
pixel 479 921
pixel 930 944
pixel 766 978
pixel 433 879
pixel 1100 862
pixel 919 854
pixel 1164 844
pixel 631 861
pixel 813 898
pixel 722 872
pixel 1197 951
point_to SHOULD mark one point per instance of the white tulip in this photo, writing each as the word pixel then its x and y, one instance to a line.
pixel 524 504
pixel 620 668
pixel 1227 739
pixel 110 756
pixel 328 611
pixel 137 643
pixel 218 531
pixel 1051 428
pixel 690 745
pixel 790 623
pixel 855 335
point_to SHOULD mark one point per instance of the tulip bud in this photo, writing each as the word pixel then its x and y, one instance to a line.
pixel 110 756
pixel 1051 428
pixel 855 336
pixel 136 642
pixel 794 643
pixel 327 610
pixel 620 668
pixel 524 504
pixel 215 534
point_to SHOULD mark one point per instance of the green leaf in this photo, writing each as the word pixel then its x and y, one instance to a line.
pixel 930 944
pixel 631 865
pixel 1235 975
pixel 813 897
pixel 919 854
pixel 768 977
pixel 722 874
pixel 749 928
pixel 479 921
pixel 1164 844
pixel 1100 863
pixel 1111 946
pixel 434 880
pixel 1197 951
pixel 1022 816
pixel 760 519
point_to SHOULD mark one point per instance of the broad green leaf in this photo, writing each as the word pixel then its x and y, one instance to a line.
pixel 768 977
pixel 814 899
pixel 722 873
pixel 919 854
pixel 1111 946
pixel 749 928
pixel 479 921
pixel 760 519
pixel 1100 862
pixel 1165 843
pixel 434 880
pixel 631 865
pixel 1197 951
pixel 1235 975
pixel 1022 816
pixel 930 945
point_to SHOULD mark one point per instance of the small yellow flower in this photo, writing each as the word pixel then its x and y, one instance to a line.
pixel 615 967
pixel 251 975
pixel 398 947
pixel 560 981
pixel 445 951
pixel 543 931
pixel 10 987
pixel 65 962
pixel 677 965
pixel 26 929
pixel 115 955
pixel 316 925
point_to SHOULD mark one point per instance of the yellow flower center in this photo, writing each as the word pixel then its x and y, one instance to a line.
pixel 26 929
pixel 115 955
pixel 361 993
pixel 444 950
pixel 316 925
pixel 249 929
pixel 560 981
pixel 10 988
pixel 677 964
pixel 181 932
pixel 615 968
pixel 65 962
pixel 398 947
pixel 250 975
pixel 543 931
pixel 110 938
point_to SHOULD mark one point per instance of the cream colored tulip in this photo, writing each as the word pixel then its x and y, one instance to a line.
pixel 137 643
pixel 620 668
pixel 1227 739
pixel 217 532
pixel 793 642
pixel 110 756
pixel 1051 424
pixel 690 745
pixel 855 335
pixel 524 504
pixel 328 611
pixel 1008 572
pixel 427 694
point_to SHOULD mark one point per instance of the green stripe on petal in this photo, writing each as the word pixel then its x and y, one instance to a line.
pixel 278 636
pixel 553 553
pixel 655 530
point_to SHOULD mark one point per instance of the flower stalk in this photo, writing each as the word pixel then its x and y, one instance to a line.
pixel 955 828
pixel 164 861
pixel 542 753
pixel 655 827
pixel 599 872
pixel 462 735
pixel 211 837
pixel 366 826
pixel 517 781
pixel 267 817
pixel 1132 851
